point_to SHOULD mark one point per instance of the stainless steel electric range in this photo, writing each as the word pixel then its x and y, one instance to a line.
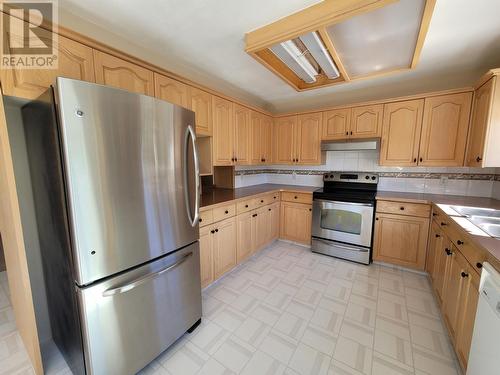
pixel 342 216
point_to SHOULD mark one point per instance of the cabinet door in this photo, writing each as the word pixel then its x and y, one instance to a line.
pixel 468 304
pixel 257 140
pixel 223 138
pixel 401 240
pixel 224 246
pixel 401 129
pixel 435 245
pixel 444 130
pixel 266 126
pixel 74 61
pixel 200 103
pixel 206 256
pixel 366 121
pixel 261 227
pixel 441 268
pixel 245 236
pixel 171 90
pixel 479 124
pixel 308 139
pixel 112 71
pixel 273 222
pixel 451 295
pixel 284 137
pixel 242 134
pixel 295 223
pixel 336 124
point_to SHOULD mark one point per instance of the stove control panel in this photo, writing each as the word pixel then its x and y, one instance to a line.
pixel 359 177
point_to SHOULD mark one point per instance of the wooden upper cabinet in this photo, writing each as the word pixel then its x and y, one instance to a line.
pixel 336 124
pixel 401 130
pixel 171 90
pixel 242 134
pixel 482 149
pixel 256 138
pixel 308 138
pixel 112 71
pixel 284 140
pixel 200 103
pixel 366 121
pixel 444 130
pixel 223 132
pixel 74 61
pixel 266 126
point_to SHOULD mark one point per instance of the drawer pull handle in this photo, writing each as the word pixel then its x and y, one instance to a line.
pixel 254 215
pixel 443 224
pixel 200 220
pixel 460 242
pixel 402 208
pixel 261 201
pixel 269 209
pixel 464 274
pixel 478 159
pixel 246 205
pixel 295 197
pixel 479 265
pixel 448 251
pixel 376 218
pixel 437 236
pixel 434 214
pixel 226 212
pixel 212 231
pixel 310 209
pixel 216 230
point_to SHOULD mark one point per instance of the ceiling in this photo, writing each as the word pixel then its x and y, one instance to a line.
pixel 203 40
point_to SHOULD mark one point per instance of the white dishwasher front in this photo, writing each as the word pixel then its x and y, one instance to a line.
pixel 484 357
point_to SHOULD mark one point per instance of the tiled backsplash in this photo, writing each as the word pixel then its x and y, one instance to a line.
pixel 456 181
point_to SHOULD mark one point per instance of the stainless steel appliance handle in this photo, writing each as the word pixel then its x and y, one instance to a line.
pixel 191 134
pixel 143 279
pixel 336 244
pixel 347 203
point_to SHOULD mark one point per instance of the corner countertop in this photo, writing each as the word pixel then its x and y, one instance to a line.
pixel 215 196
pixel 489 244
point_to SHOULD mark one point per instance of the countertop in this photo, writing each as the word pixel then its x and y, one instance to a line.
pixel 215 196
pixel 489 244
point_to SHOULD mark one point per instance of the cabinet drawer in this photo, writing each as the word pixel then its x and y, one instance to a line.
pixel 404 208
pixel 246 205
pixel 266 199
pixel 289 196
pixel 224 212
pixel 206 217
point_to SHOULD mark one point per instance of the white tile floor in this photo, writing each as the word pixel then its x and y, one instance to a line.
pixel 290 311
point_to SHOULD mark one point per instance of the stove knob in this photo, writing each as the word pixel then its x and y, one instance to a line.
pixel 367 177
pixel 331 176
pixel 373 177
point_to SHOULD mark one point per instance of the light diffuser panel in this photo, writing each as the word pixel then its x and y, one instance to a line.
pixel 380 40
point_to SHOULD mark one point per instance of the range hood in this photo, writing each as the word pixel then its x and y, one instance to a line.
pixel 354 145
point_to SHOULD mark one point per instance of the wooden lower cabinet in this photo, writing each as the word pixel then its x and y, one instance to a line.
pixel 435 243
pixel 441 268
pixel 469 296
pixel 273 222
pixel 245 235
pixel 401 240
pixel 224 246
pixel 206 256
pixel 295 222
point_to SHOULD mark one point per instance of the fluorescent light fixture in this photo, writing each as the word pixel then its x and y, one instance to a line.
pixel 289 53
pixel 316 48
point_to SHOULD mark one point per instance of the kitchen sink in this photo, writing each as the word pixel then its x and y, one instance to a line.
pixel 490 225
pixel 476 211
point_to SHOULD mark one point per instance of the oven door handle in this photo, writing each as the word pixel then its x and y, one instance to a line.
pixel 346 203
pixel 336 244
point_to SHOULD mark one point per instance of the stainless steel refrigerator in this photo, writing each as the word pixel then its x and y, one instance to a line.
pixel 116 189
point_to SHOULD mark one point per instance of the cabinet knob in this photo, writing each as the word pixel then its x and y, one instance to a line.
pixel 261 201
pixel 376 218
pixel 212 231
pixel 448 251
pixel 310 209
pixel 235 159
pixel 226 212
pixel 200 220
pixel 434 214
pixel 421 159
pixel 346 133
pixel 478 159
pixel 232 159
pixel 460 242
pixel 246 205
pixel 464 274
pixel 351 132
pixel 262 160
pixel 217 230
pixel 295 197
pixel 254 215
pixel 437 236
pixel 443 224
pixel 274 197
pixel 269 209
pixel 402 208
pixel 415 160
pixel 479 265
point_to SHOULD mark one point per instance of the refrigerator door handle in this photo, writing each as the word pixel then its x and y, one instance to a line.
pixel 191 134
pixel 143 279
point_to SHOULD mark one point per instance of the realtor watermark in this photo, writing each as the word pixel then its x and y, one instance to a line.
pixel 29 35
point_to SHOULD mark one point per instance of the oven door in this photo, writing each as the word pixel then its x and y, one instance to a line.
pixel 343 221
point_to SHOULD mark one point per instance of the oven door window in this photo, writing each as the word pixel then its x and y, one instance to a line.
pixel 341 220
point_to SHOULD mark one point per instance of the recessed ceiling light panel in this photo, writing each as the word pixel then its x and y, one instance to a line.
pixel 294 58
pixel 316 48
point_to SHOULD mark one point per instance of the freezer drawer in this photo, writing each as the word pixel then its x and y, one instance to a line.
pixel 130 319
